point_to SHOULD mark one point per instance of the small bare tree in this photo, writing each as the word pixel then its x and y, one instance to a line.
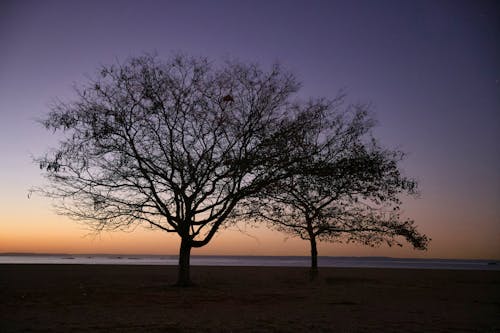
pixel 174 145
pixel 350 191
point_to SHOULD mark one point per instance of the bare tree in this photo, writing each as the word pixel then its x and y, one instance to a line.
pixel 350 192
pixel 174 145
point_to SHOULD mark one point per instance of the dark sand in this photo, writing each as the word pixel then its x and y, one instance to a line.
pixel 98 298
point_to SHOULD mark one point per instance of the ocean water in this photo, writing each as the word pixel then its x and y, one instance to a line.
pixel 278 261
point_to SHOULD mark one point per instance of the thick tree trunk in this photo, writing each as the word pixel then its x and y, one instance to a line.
pixel 184 279
pixel 314 257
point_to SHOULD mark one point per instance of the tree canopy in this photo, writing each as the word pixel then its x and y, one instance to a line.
pixel 175 145
pixel 351 192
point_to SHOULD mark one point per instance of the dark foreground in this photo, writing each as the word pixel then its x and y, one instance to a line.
pixel 99 298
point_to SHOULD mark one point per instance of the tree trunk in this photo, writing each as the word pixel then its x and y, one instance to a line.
pixel 314 257
pixel 184 279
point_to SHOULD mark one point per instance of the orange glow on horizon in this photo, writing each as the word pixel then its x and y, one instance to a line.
pixel 35 228
pixel 56 234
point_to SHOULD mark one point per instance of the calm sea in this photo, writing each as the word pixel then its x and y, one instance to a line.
pixel 284 261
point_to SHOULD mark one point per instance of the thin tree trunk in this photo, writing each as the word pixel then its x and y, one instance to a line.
pixel 184 279
pixel 314 257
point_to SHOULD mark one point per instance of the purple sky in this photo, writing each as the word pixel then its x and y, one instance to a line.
pixel 431 69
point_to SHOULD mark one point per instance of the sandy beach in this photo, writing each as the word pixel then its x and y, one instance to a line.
pixel 111 298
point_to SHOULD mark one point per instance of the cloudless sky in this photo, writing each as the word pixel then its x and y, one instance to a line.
pixel 431 70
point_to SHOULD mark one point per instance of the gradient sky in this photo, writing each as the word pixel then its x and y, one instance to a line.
pixel 431 69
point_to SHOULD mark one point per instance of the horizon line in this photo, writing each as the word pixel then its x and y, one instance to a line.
pixel 222 255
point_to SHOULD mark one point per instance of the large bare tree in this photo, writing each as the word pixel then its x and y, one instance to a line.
pixel 174 145
pixel 351 191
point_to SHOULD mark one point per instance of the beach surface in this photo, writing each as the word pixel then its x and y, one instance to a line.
pixel 113 298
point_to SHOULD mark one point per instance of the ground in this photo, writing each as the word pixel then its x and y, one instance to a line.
pixel 102 298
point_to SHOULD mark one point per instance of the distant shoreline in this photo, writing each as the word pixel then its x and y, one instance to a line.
pixel 251 261
pixel 234 255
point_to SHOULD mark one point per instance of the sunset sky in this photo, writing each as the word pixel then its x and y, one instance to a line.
pixel 431 70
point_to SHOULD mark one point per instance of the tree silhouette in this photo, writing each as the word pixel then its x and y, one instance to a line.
pixel 174 145
pixel 350 192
